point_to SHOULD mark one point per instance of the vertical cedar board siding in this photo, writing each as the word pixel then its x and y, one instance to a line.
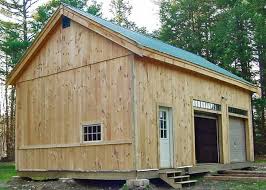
pixel 77 76
pixel 160 83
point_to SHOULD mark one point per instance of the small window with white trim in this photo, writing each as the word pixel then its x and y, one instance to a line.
pixel 237 111
pixel 92 132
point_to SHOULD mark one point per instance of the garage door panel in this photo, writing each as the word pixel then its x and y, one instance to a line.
pixel 206 140
pixel 237 140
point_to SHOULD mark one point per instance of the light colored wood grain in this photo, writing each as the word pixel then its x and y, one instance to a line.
pixel 84 75
pixel 76 77
pixel 159 84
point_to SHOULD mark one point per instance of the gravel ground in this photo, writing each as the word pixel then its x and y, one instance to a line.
pixel 260 166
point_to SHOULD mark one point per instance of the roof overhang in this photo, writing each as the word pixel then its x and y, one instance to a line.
pixel 119 39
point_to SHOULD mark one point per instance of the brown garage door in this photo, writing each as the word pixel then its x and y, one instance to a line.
pixel 206 140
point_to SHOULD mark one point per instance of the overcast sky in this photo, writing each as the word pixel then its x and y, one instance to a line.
pixel 144 12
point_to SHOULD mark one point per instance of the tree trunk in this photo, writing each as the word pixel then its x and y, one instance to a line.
pixel 25 28
pixel 244 62
pixel 262 67
pixel 11 131
pixel 6 120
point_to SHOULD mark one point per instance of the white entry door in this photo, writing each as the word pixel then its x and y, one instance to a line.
pixel 165 138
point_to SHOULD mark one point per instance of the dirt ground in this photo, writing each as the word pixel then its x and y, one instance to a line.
pixel 202 184
pixel 115 185
pixel 57 184
pixel 77 184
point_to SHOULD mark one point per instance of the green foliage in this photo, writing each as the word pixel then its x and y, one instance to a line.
pixel 231 34
pixel 239 185
pixel 187 24
pixel 233 38
pixel 45 11
pixel 12 45
pixel 125 187
pixel 7 170
pixel 213 29
pixel 260 159
pixel 14 35
pixel 259 105
pixel 257 12
pixel 121 10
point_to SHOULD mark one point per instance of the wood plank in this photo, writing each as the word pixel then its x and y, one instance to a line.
pixel 244 172
pixel 161 85
pixel 94 175
pixel 235 178
pixel 45 146
pixel 194 68
pixel 63 89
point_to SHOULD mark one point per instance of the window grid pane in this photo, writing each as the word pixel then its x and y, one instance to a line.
pixel 92 132
pixel 206 105
pixel 237 111
pixel 163 124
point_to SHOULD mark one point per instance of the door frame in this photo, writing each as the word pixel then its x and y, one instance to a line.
pixel 207 114
pixel 171 134
pixel 216 118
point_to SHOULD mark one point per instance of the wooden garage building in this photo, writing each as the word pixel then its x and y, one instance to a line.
pixel 98 101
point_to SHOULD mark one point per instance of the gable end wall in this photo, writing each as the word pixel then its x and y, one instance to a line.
pixel 77 77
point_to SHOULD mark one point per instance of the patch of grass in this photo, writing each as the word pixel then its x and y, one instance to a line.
pixel 239 185
pixel 260 160
pixel 7 170
pixel 231 185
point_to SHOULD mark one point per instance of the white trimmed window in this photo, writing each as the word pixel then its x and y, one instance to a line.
pixel 206 105
pixel 92 132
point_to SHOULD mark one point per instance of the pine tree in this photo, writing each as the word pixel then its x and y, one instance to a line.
pixel 217 30
pixel 231 34
pixel 258 19
pixel 188 24
pixel 20 12
pixel 11 48
pixel 121 10
pixel 45 11
pixel 15 40
pixel 232 38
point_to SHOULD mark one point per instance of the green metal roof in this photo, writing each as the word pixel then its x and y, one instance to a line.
pixel 159 45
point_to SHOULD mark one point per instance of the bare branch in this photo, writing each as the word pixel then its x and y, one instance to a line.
pixel 31 3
